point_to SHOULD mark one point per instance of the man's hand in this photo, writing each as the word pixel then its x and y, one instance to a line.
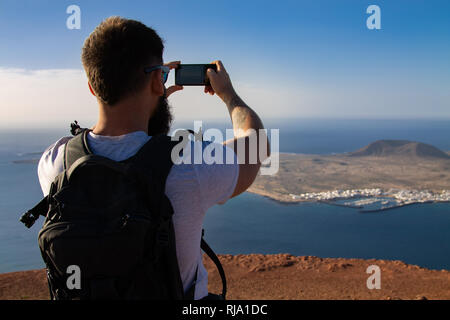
pixel 172 89
pixel 220 83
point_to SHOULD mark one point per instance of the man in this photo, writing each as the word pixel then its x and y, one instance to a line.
pixel 133 107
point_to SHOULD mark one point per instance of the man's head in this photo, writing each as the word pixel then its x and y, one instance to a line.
pixel 114 57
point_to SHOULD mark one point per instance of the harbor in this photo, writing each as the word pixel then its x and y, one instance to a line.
pixel 375 199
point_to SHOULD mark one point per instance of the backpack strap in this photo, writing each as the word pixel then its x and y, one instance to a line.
pixel 155 156
pixel 73 150
pixel 76 148
pixel 30 217
pixel 212 255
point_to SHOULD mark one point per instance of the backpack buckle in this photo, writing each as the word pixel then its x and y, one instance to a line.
pixel 75 128
pixel 29 218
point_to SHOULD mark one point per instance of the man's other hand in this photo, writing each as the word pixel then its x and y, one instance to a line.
pixel 172 89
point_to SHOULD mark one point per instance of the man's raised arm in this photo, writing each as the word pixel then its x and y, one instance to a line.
pixel 249 135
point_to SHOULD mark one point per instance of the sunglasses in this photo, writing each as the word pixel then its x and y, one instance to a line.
pixel 165 71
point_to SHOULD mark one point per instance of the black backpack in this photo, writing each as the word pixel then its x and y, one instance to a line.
pixel 112 223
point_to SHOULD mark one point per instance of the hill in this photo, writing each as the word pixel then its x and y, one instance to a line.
pixel 388 148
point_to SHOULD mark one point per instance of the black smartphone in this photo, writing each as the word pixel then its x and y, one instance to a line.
pixel 192 74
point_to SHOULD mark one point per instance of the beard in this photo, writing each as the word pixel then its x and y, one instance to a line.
pixel 161 120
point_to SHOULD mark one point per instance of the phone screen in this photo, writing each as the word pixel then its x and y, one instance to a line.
pixel 192 74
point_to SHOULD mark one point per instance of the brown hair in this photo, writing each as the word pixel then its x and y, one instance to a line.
pixel 115 54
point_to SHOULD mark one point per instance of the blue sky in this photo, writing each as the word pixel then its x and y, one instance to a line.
pixel 286 58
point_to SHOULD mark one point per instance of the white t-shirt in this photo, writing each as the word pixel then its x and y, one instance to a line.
pixel 191 188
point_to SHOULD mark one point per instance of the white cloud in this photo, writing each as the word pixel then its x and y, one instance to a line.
pixel 56 97
pixel 42 98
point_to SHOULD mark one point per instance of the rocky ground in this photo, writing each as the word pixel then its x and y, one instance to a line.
pixel 283 276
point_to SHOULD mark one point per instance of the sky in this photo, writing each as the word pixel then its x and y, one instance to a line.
pixel 287 59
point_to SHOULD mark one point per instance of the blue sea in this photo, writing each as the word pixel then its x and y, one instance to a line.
pixel 416 234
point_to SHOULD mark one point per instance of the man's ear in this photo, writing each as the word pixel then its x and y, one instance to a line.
pixel 90 88
pixel 156 83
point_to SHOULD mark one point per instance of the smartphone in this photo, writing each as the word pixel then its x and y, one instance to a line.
pixel 193 74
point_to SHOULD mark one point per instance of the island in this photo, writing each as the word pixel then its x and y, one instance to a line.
pixel 388 173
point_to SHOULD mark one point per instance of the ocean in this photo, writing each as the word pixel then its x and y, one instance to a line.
pixel 416 234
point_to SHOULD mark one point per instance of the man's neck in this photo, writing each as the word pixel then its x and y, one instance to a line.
pixel 117 128
pixel 121 119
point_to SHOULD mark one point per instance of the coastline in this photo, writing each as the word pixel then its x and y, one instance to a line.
pixel 378 177
pixel 285 277
pixel 291 199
